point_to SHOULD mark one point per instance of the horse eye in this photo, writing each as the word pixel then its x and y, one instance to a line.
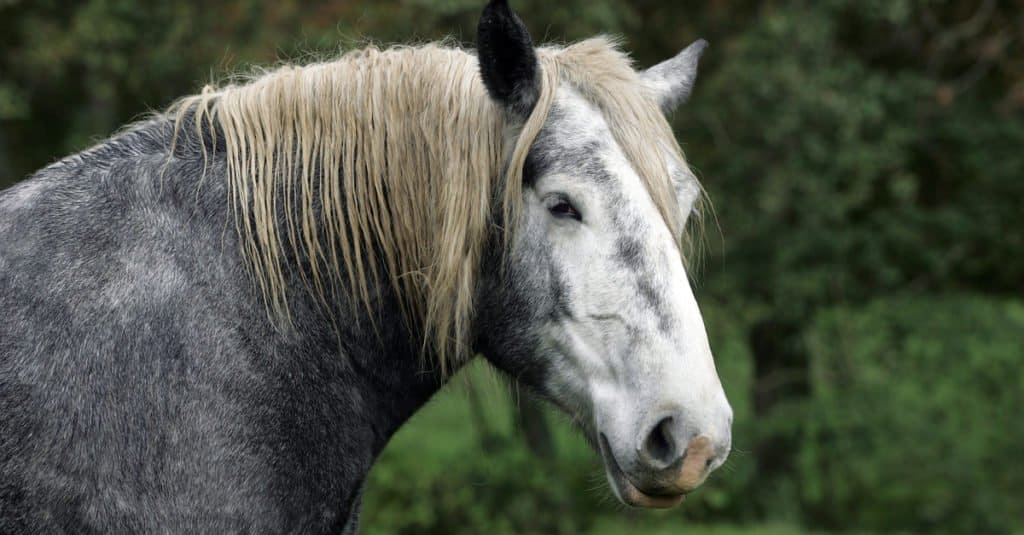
pixel 563 209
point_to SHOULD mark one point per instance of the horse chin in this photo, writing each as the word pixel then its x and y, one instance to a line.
pixel 626 491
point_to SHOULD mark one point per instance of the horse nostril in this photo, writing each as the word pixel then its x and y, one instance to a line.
pixel 659 447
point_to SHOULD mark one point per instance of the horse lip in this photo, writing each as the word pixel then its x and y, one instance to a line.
pixel 628 492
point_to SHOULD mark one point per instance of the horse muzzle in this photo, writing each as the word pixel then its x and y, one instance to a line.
pixel 660 473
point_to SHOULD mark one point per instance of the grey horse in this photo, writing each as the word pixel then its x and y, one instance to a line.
pixel 215 319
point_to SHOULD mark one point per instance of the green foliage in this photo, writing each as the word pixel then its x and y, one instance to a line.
pixel 913 422
pixel 849 157
pixel 443 473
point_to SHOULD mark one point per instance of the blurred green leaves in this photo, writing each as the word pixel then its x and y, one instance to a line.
pixel 914 422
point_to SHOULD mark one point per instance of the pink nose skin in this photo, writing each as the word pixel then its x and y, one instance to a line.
pixel 667 486
pixel 668 466
pixel 699 456
pixel 677 471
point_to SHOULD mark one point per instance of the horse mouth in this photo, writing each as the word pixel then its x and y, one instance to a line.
pixel 626 491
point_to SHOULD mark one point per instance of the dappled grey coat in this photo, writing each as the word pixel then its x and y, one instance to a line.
pixel 137 360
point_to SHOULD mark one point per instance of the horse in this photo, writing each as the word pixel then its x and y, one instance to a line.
pixel 215 319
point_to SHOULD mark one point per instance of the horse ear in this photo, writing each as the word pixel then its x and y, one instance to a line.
pixel 672 80
pixel 508 63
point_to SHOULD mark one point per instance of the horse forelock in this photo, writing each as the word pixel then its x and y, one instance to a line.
pixel 383 165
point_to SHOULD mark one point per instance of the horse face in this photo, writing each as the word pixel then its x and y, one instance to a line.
pixel 592 306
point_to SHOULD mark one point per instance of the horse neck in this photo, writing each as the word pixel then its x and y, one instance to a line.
pixel 364 358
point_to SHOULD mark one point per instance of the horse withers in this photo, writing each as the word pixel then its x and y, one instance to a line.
pixel 214 320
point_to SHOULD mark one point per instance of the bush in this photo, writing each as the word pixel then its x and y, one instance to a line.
pixel 914 419
pixel 459 467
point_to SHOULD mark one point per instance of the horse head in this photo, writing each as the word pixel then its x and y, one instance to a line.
pixel 589 302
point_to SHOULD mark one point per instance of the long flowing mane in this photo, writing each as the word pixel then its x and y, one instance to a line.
pixel 388 165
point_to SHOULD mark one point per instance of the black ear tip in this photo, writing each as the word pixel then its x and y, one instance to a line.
pixel 495 11
pixel 497 7
pixel 508 63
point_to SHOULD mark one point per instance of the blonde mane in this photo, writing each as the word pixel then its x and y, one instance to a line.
pixel 394 158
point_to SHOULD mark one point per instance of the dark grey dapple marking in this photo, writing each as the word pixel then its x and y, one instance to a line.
pixel 560 148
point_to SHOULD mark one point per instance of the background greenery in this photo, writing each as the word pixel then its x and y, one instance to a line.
pixel 862 277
